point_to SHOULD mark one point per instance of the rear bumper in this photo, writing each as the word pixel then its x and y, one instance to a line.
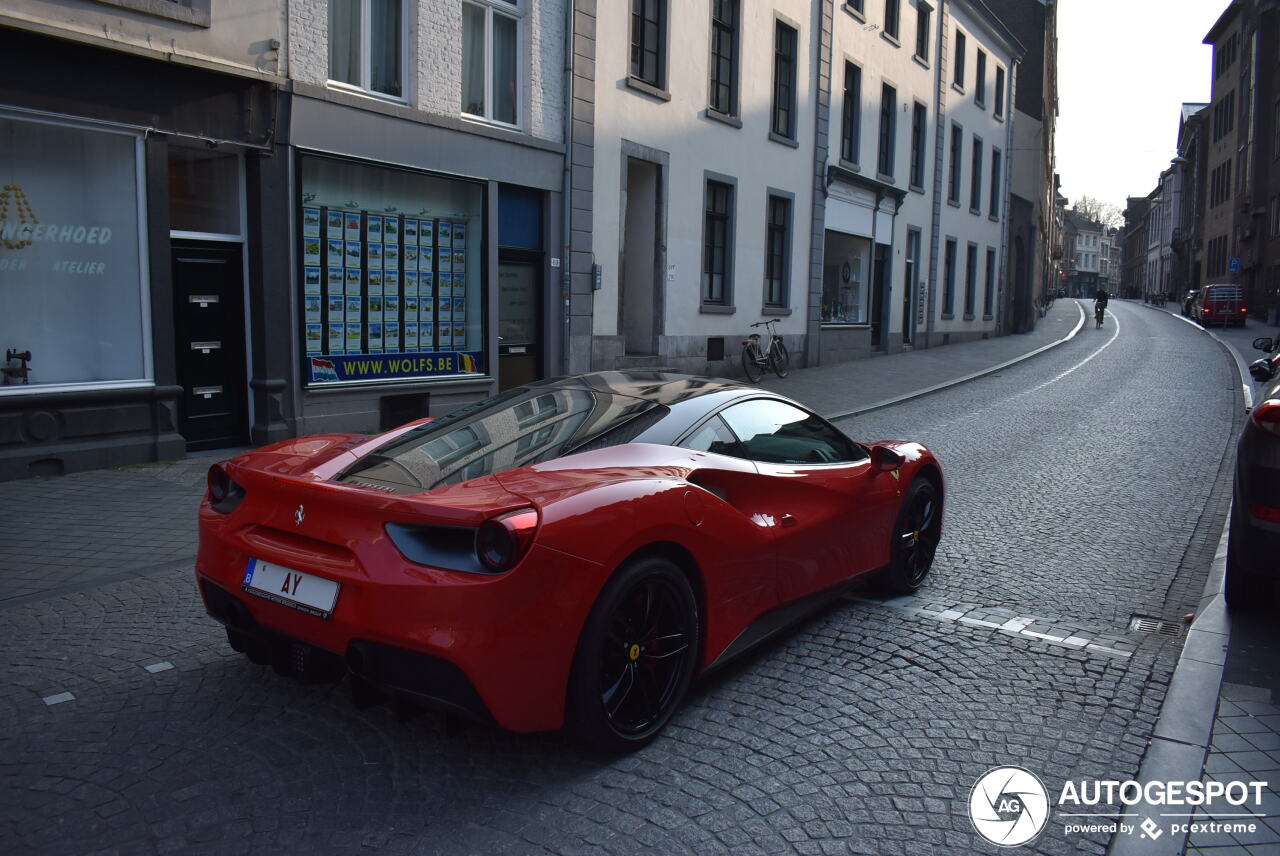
pixel 496 647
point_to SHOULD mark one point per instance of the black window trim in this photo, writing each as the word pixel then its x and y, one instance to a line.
pixel 856 130
pixel 735 68
pixel 787 246
pixel 793 124
pixel 726 304
pixel 656 88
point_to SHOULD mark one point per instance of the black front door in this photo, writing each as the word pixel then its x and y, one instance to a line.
pixel 879 274
pixel 208 292
pixel 519 318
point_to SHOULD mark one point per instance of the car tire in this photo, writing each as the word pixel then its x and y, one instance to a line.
pixel 915 538
pixel 635 658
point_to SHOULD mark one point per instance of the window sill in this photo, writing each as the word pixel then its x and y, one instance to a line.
pixel 725 118
pixel 790 142
pixel 777 311
pixel 647 89
pixel 351 89
pixel 948 316
pixel 922 61
pixel 891 39
pixel 845 325
pixel 717 309
pixel 976 212
pixel 980 104
pixel 855 14
pixel 916 188
pixel 887 178
pixel 999 117
pixel 953 203
pixel 958 88
pixel 490 123
pixel 849 165
pixel 988 317
pixel 994 218
pixel 968 316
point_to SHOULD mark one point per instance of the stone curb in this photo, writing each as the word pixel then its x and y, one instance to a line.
pixel 937 387
pixel 1184 730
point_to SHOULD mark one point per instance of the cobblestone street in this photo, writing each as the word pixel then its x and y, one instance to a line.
pixel 1083 490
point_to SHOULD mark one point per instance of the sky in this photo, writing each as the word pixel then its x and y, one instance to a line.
pixel 1125 67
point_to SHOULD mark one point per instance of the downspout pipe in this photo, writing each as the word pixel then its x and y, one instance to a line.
pixel 566 191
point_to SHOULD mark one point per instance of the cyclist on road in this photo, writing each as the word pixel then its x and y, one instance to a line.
pixel 1100 306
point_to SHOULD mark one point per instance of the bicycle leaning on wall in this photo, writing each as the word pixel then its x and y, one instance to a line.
pixel 755 359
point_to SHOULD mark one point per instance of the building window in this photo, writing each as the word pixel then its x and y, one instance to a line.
pixel 891 18
pixel 919 136
pixel 949 279
pixel 391 264
pixel 784 80
pixel 75 289
pixel 366 45
pixel 717 237
pixel 844 272
pixel 957 78
pixel 856 5
pixel 648 40
pixel 975 178
pixel 980 80
pixel 923 13
pixel 993 206
pixel 989 290
pixel 777 252
pixel 953 183
pixel 724 57
pixel 490 59
pixel 851 113
pixel 970 280
pixel 888 129
pixel 999 105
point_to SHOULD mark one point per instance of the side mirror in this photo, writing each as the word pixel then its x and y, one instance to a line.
pixel 1264 343
pixel 1261 369
pixel 885 460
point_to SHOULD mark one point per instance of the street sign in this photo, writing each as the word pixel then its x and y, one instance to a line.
pixel 1233 266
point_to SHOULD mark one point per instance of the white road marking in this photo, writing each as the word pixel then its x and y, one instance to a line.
pixel 58 699
pixel 159 667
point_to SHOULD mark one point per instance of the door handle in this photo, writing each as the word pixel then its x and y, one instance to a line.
pixel 787 520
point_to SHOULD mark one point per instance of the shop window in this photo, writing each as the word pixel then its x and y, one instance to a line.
pixel 366 45
pixel 490 62
pixel 844 290
pixel 392 273
pixel 75 289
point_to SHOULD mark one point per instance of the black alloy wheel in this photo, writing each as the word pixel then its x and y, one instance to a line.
pixel 635 659
pixel 915 538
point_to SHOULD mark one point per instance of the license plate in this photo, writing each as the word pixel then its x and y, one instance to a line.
pixel 305 592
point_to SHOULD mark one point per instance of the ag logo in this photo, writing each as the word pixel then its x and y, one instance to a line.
pixel 1008 806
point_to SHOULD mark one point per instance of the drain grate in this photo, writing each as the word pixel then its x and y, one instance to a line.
pixel 1158 626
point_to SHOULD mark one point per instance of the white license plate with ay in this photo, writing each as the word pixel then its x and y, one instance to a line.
pixel 305 592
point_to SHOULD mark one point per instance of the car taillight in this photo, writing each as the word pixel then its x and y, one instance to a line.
pixel 224 493
pixel 502 541
pixel 1265 512
pixel 1267 416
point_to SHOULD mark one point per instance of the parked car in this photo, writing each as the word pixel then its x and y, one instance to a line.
pixel 1189 301
pixel 1220 303
pixel 1253 552
pixel 568 553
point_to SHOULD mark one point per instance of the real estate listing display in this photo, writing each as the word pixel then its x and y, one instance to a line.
pixel 391 274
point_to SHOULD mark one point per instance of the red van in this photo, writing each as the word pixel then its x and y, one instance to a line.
pixel 1221 303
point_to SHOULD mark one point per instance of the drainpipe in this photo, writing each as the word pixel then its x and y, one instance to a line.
pixel 566 189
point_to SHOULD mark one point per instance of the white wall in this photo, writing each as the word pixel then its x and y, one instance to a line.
pixel 435 57
pixel 694 144
pixel 960 222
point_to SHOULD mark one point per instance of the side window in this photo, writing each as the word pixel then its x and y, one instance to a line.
pixel 715 437
pixel 776 432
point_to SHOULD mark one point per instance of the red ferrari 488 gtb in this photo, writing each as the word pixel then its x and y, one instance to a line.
pixel 571 553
